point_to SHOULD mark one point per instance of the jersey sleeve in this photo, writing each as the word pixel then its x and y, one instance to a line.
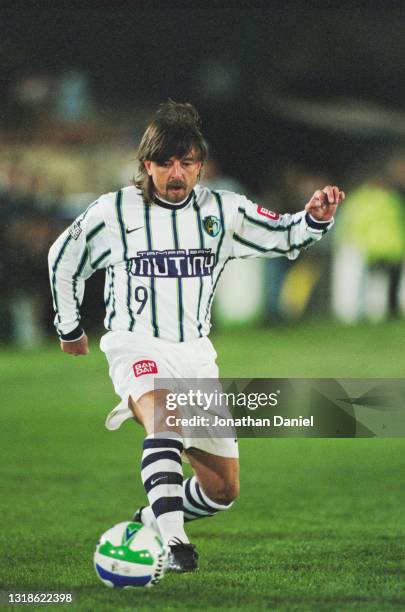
pixel 259 232
pixel 80 250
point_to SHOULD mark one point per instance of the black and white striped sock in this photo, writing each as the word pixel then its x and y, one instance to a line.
pixel 196 504
pixel 162 477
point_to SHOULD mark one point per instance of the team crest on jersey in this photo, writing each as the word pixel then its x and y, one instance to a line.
pixel 265 212
pixel 212 225
pixel 145 366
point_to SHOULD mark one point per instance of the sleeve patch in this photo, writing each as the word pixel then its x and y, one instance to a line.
pixel 265 212
pixel 75 230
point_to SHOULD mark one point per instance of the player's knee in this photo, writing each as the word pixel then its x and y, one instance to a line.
pixel 226 494
pixel 232 492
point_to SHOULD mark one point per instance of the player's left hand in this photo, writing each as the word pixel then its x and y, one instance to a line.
pixel 78 347
pixel 323 204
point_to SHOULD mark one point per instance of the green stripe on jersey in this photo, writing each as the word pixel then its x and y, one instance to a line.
pixel 118 205
pixel 221 216
pixel 118 208
pixel 154 320
pixel 92 233
pixel 262 249
pixel 95 231
pixel 54 270
pixel 100 259
pixel 112 292
pixel 179 280
pixel 75 276
pixel 214 284
pixel 201 234
pixel 82 263
pixel 107 301
pixel 207 310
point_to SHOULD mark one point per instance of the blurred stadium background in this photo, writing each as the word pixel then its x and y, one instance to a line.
pixel 291 99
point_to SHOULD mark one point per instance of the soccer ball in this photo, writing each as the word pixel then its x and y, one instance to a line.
pixel 130 555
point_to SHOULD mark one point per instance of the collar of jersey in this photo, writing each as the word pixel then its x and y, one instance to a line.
pixel 159 202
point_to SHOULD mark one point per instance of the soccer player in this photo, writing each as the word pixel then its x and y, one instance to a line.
pixel 164 243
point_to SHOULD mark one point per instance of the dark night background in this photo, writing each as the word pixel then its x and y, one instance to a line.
pixel 292 96
pixel 141 53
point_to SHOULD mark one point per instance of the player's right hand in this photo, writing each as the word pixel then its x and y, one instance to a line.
pixel 78 347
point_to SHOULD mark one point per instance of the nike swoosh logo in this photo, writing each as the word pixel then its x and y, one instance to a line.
pixel 152 482
pixel 135 229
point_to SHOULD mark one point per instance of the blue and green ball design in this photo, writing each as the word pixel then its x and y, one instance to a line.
pixel 130 555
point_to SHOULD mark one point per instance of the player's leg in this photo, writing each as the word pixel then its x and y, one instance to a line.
pixel 214 486
pixel 161 469
pixel 162 476
pixel 134 367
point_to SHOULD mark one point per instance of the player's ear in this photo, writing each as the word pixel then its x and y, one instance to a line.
pixel 147 163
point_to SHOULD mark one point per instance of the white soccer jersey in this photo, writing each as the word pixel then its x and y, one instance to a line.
pixel 163 262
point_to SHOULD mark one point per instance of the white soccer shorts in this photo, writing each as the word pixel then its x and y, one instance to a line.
pixel 135 362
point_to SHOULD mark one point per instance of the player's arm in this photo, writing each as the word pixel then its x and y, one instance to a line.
pixel 260 232
pixel 75 255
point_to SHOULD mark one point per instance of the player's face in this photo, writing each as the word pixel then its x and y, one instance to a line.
pixel 175 178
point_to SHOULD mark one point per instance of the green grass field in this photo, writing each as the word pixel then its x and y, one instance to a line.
pixel 319 524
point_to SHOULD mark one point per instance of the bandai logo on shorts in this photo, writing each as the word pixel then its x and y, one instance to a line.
pixel 212 225
pixel 265 212
pixel 146 366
